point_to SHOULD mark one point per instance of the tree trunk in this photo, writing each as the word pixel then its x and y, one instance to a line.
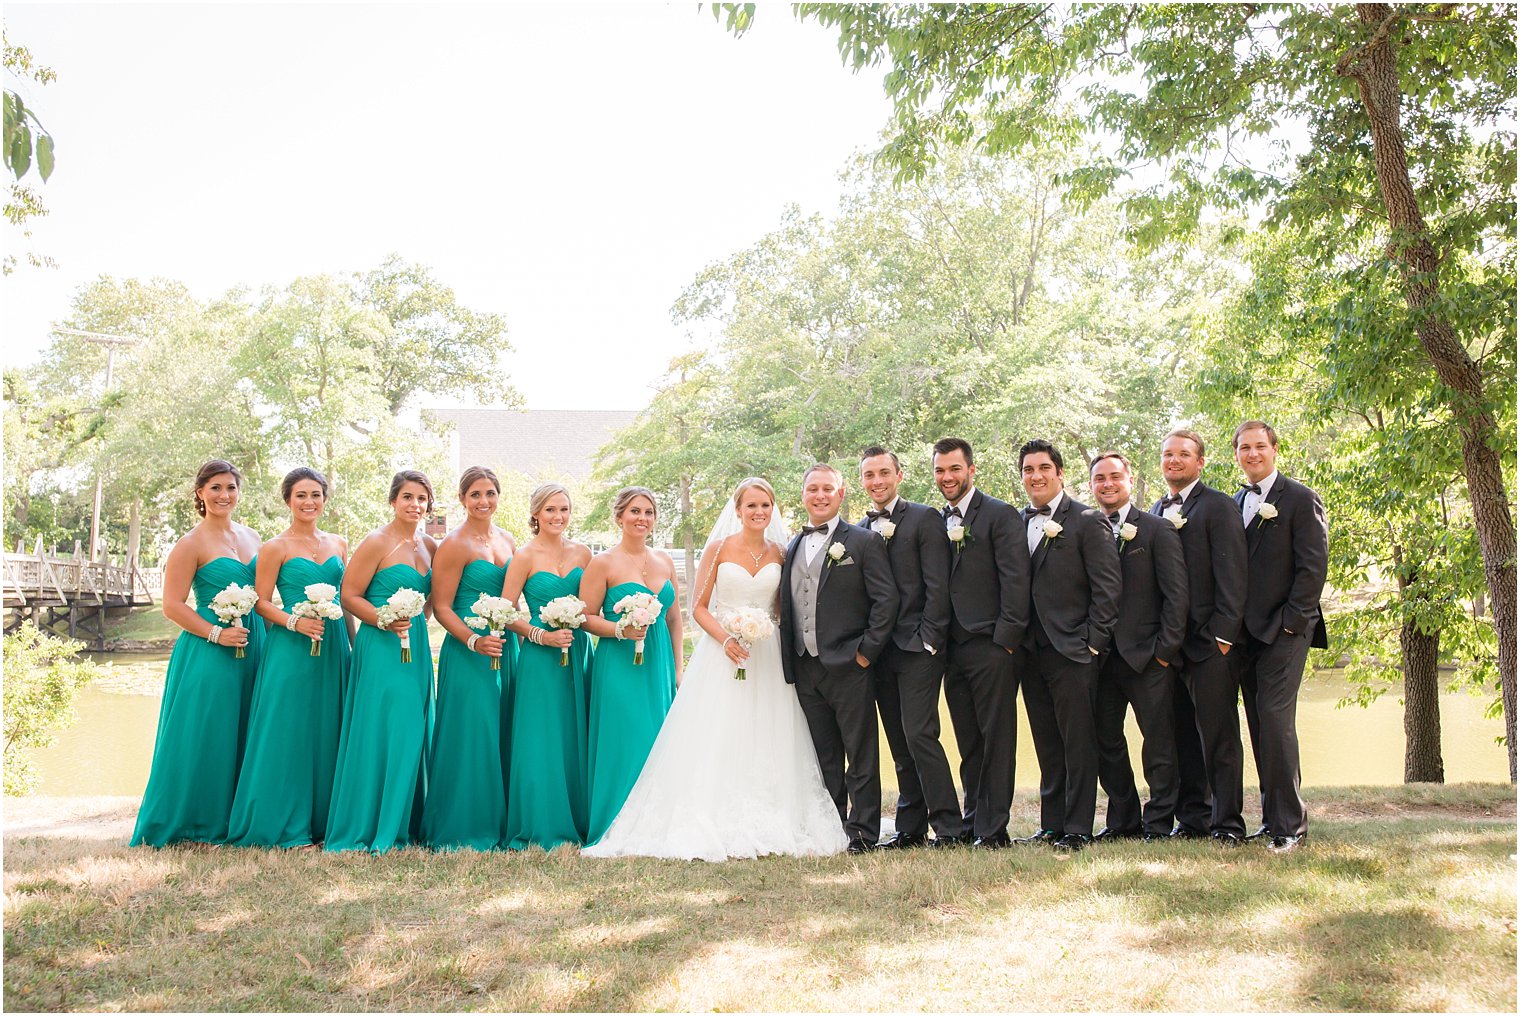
pixel 1375 70
pixel 1422 705
pixel 134 532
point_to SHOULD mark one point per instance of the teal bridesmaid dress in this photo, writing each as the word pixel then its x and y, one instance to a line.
pixel 202 724
pixel 377 789
pixel 546 788
pixel 628 704
pixel 285 787
pixel 467 801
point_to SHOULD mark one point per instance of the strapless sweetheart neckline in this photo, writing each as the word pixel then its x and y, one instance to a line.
pixel 746 571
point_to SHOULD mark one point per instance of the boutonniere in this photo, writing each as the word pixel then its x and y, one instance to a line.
pixel 887 529
pixel 1267 511
pixel 957 536
pixel 1052 531
pixel 1175 517
pixel 1127 532
pixel 836 553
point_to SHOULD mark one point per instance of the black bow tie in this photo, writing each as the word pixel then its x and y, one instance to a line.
pixel 1254 488
pixel 1170 500
pixel 873 514
pixel 1113 517
pixel 1032 511
pixel 809 530
pixel 952 512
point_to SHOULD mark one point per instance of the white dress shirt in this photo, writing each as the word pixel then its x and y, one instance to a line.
pixel 1184 493
pixel 962 505
pixel 1034 526
pixel 889 509
pixel 1123 512
pixel 1251 504
pixel 814 542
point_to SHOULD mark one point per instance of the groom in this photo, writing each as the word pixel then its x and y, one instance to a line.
pixel 838 606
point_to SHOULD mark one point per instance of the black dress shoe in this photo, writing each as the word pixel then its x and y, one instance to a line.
pixel 1260 834
pixel 1039 839
pixel 943 842
pixel 1184 833
pixel 1155 837
pixel 901 842
pixel 997 842
pixel 860 847
pixel 1283 844
pixel 1072 842
pixel 1227 839
pixel 1106 834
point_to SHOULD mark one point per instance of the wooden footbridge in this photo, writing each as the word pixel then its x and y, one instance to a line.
pixel 48 589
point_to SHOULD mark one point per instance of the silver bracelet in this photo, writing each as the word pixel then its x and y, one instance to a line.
pixel 214 634
pixel 470 645
pixel 732 638
pixel 290 622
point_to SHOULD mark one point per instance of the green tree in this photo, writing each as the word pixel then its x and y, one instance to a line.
pixel 1408 110
pixel 26 143
pixel 41 677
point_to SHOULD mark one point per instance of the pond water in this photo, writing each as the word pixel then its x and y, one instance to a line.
pixel 107 751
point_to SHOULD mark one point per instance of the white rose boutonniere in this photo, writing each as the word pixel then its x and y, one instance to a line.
pixel 1175 517
pixel 887 529
pixel 1052 531
pixel 1267 511
pixel 836 552
pixel 957 536
pixel 1127 532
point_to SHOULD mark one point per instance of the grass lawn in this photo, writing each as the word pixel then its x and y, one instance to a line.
pixel 1404 899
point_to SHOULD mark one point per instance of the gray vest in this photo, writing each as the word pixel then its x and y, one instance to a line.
pixel 806 578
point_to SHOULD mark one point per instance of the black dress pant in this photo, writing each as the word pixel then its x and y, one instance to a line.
pixel 907 696
pixel 1150 693
pixel 1210 759
pixel 981 688
pixel 1060 696
pixel 841 715
pixel 1270 677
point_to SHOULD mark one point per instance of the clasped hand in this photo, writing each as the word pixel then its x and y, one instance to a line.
pixel 488 645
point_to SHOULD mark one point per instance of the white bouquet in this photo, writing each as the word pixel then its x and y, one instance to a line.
pixel 564 612
pixel 403 605
pixel 493 614
pixel 638 610
pixel 749 626
pixel 233 604
pixel 321 602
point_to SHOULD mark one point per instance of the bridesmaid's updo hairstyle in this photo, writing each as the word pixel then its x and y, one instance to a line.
pixel 753 481
pixel 625 498
pixel 216 467
pixel 474 475
pixel 298 474
pixel 406 476
pixel 540 497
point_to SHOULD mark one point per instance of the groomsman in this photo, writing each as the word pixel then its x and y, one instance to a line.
pixel 989 610
pixel 911 667
pixel 1287 545
pixel 1074 597
pixel 838 607
pixel 1209 753
pixel 1137 671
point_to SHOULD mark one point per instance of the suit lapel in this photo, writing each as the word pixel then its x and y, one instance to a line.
pixel 1123 545
pixel 1253 531
pixel 1043 547
pixel 826 564
pixel 971 507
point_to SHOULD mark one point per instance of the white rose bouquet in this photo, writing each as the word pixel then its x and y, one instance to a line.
pixel 493 614
pixel 749 626
pixel 564 612
pixel 403 605
pixel 322 603
pixel 233 604
pixel 637 610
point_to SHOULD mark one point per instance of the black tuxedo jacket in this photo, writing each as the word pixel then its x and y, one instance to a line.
pixel 989 574
pixel 1076 580
pixel 1153 604
pixel 857 601
pixel 1214 550
pixel 1289 556
pixel 919 554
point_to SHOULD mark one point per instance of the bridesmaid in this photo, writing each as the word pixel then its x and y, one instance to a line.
pixel 546 774
pixel 628 701
pixel 286 784
pixel 377 789
pixel 467 801
pixel 203 720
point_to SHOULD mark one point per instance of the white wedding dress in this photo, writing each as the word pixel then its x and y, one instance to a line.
pixel 733 772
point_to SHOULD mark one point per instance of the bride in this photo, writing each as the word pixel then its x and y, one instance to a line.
pixel 733 772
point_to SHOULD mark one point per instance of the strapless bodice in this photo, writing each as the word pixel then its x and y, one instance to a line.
pixel 735 587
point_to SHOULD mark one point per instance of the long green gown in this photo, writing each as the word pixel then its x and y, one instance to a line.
pixel 202 724
pixel 467 801
pixel 546 788
pixel 377 790
pixel 285 787
pixel 628 704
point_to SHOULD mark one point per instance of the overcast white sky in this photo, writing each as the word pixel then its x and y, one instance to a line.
pixel 569 166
